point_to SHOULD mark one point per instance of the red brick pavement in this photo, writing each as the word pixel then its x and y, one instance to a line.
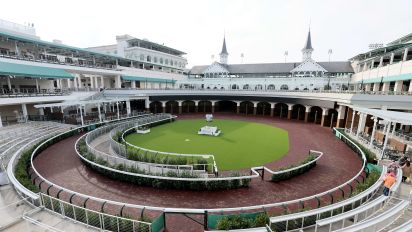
pixel 60 164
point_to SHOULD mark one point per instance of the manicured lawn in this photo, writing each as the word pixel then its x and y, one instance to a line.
pixel 240 145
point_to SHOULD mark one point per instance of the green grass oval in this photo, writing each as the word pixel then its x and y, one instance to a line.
pixel 240 145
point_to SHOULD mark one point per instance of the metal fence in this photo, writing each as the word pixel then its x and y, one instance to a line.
pixel 92 218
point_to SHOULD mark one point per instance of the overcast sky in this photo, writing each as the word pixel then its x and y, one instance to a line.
pixel 262 30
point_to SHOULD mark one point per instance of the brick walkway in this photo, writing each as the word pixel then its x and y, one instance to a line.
pixel 60 164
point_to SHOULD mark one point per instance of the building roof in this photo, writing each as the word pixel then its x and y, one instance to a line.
pixel 334 67
pixel 224 50
pixel 23 70
pixel 308 44
pixel 154 46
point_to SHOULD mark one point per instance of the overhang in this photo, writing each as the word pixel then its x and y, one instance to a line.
pixel 23 70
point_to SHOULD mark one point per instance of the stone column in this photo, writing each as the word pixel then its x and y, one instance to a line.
pixel 375 121
pixel 118 112
pixel 163 106
pixel 385 87
pixel 255 107
pixel 353 119
pixel 213 106
pixel 341 116
pixel 237 107
pixel 272 109
pixel 307 111
pixel 98 110
pixel 24 109
pixel 41 111
pixel 196 106
pixel 179 103
pixel 69 83
pixel 81 115
pixel 290 107
pixel 128 108
pixel 101 82
pixel 376 87
pixel 147 105
pixel 37 85
pixel 398 86
pixel 410 87
pixel 386 132
pixel 133 84
pixel 91 82
pixel 324 115
pixel 96 85
pixel 118 82
pixel 405 54
pixel 8 82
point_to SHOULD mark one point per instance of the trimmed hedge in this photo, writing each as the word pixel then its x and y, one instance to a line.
pixel 370 156
pixel 21 171
pixel 159 183
pixel 233 222
pixel 296 172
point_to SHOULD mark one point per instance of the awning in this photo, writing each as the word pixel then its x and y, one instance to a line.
pixel 400 77
pixel 388 115
pixel 146 79
pixel 22 70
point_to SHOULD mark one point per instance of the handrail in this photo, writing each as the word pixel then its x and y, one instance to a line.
pixel 320 154
pixel 256 174
pixel 405 227
pixel 373 221
pixel 211 210
pixel 331 207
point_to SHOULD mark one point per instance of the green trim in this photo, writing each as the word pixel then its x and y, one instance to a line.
pixel 54 45
pixel 148 79
pixel 401 77
pixel 22 70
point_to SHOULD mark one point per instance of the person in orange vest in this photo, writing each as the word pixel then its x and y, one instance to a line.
pixel 388 182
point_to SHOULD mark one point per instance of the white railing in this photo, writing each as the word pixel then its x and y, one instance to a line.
pixel 87 217
pixel 151 168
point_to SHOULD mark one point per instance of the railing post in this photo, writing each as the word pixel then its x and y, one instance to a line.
pixel 205 227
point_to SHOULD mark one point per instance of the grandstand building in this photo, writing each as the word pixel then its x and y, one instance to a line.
pixel 66 165
pixel 305 75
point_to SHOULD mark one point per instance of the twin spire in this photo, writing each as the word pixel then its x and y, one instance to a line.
pixel 306 51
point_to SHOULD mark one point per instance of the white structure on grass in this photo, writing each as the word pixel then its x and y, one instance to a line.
pixel 209 130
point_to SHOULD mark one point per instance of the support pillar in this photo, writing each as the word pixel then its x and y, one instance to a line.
pixel 91 82
pixel 76 85
pixel 100 114
pixel 101 82
pixel 118 82
pixel 272 109
pixel 24 109
pixel 290 107
pixel 69 83
pixel 213 106
pixel 37 85
pixel 179 103
pixel 385 87
pixel 196 106
pixel 410 87
pixel 388 129
pixel 96 85
pixel 375 121
pixel 353 119
pixel 341 116
pixel 238 107
pixel 133 84
pixel 376 87
pixel 118 112
pixel 398 86
pixel 254 107
pixel 163 106
pixel 8 82
pixel 147 105
pixel 360 121
pixel 405 54
pixel 128 108
pixel 324 115
pixel 307 111
pixel 81 115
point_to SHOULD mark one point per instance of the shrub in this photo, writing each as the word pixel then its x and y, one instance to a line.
pixel 287 175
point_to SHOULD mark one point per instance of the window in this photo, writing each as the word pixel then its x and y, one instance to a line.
pixel 149 59
pixel 155 59
pixel 161 60
pixel 141 57
pixel 166 61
